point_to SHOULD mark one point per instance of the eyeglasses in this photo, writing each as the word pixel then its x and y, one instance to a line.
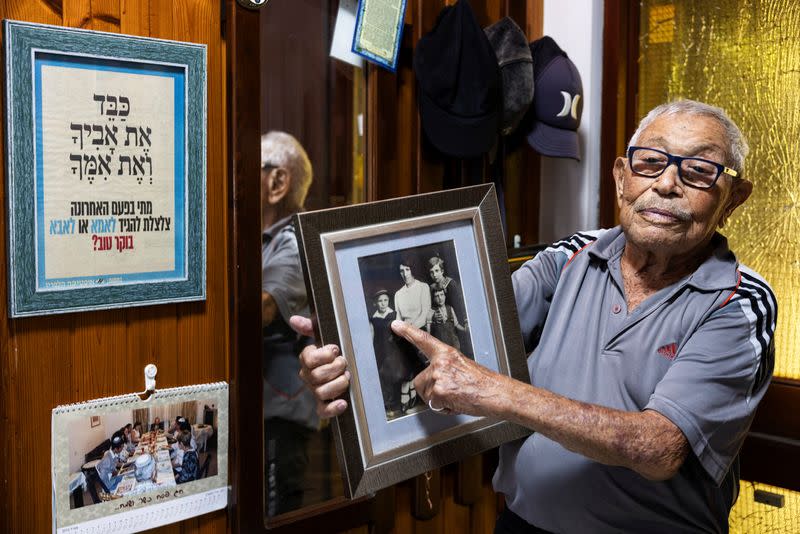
pixel 695 172
pixel 267 166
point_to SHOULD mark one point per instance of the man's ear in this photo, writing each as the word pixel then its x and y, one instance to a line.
pixel 739 193
pixel 619 177
pixel 278 184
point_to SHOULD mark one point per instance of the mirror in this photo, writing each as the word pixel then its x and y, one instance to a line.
pixel 312 117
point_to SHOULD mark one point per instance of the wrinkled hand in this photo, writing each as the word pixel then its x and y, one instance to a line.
pixel 451 380
pixel 324 370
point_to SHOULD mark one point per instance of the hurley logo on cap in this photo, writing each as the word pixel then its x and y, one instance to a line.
pixel 668 351
pixel 570 105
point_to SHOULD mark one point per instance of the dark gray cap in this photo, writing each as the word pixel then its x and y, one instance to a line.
pixel 516 68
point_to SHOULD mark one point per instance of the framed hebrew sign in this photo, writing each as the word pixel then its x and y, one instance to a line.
pixel 438 261
pixel 105 169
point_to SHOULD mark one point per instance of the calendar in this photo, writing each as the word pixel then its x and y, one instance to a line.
pixel 127 464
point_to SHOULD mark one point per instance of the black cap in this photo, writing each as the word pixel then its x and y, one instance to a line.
pixel 557 101
pixel 459 84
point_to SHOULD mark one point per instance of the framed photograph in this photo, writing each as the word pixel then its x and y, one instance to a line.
pixel 105 169
pixel 379 31
pixel 439 261
pixel 141 463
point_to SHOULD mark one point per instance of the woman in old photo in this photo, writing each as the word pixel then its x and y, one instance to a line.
pixel 412 303
pixel 454 298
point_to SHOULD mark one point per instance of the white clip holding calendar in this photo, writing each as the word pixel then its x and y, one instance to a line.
pixel 150 372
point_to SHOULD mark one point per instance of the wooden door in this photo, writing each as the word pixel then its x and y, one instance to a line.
pixel 47 361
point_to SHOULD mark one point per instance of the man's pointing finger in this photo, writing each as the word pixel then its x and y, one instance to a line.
pixel 426 343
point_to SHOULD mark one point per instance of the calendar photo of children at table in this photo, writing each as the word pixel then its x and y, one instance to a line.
pixel 420 285
pixel 130 452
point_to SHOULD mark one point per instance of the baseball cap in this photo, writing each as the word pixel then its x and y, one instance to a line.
pixel 557 101
pixel 459 84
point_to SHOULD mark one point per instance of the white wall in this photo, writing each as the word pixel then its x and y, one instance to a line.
pixel 83 438
pixel 570 189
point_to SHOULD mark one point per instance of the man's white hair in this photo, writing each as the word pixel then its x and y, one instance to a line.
pixel 737 147
pixel 279 149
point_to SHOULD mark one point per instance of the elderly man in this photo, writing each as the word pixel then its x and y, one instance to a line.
pixel 289 408
pixel 651 348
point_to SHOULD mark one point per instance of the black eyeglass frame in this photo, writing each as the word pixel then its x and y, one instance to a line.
pixel 671 158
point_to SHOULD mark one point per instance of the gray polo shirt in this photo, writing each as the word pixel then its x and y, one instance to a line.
pixel 700 352
pixel 285 394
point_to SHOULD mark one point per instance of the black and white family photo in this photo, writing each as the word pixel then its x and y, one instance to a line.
pixel 422 286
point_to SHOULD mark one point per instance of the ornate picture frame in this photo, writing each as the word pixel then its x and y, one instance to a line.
pixel 105 169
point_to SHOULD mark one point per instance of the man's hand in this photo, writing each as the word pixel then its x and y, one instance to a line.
pixel 324 370
pixel 451 380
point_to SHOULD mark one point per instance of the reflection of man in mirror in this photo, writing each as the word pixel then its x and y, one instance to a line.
pixel 454 298
pixel 289 409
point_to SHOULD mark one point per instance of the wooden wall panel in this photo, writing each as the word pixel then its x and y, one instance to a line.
pixel 74 357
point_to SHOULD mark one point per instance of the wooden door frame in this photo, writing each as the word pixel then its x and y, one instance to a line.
pixel 771 451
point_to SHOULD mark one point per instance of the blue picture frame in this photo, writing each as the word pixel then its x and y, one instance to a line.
pixel 139 238
pixel 389 64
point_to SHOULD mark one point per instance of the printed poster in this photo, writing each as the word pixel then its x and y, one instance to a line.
pixel 110 144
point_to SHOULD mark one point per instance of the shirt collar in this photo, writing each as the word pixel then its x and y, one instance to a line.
pixel 718 271
pixel 270 233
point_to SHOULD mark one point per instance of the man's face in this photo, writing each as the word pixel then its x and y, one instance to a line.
pixel 438 298
pixel 383 303
pixel 662 214
pixel 436 273
pixel 405 274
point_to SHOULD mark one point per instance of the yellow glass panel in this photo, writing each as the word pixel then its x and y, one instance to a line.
pixel 749 516
pixel 744 56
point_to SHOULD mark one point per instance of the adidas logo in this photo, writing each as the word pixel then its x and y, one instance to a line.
pixel 669 351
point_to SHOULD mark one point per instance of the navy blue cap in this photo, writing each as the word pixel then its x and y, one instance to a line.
pixel 557 101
